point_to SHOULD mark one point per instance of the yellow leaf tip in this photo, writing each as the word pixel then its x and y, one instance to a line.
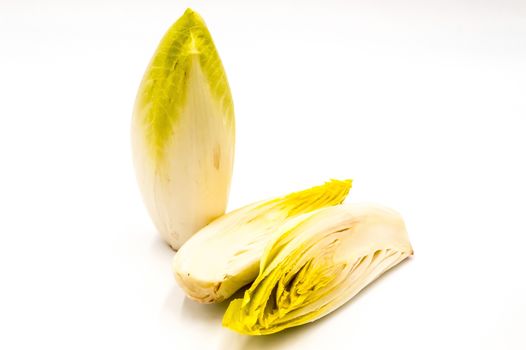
pixel 192 17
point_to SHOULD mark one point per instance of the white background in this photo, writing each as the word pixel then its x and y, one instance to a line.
pixel 422 103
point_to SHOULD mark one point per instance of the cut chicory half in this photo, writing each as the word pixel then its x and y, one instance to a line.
pixel 225 255
pixel 183 132
pixel 317 264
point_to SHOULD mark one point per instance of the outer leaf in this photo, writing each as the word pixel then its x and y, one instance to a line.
pixel 317 265
pixel 225 255
pixel 183 132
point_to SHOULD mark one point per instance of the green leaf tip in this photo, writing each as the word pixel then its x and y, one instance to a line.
pixel 162 96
